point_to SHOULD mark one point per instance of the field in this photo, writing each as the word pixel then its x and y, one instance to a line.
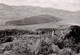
pixel 25 42
pixel 33 30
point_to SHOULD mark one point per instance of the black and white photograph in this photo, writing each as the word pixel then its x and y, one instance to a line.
pixel 39 27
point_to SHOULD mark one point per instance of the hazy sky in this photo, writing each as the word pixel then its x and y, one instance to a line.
pixel 72 5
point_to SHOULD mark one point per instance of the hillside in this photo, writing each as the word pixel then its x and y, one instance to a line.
pixel 28 11
pixel 34 20
pixel 8 13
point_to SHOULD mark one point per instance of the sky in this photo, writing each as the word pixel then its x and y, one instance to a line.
pixel 71 5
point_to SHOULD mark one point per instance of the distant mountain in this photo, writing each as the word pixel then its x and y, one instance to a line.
pixel 34 20
pixel 19 12
pixel 8 13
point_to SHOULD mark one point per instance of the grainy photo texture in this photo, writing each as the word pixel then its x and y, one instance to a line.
pixel 39 27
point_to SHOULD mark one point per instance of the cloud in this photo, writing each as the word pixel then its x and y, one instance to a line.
pixel 72 5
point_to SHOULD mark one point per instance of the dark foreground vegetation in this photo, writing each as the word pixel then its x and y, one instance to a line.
pixel 7 35
pixel 71 39
pixel 66 43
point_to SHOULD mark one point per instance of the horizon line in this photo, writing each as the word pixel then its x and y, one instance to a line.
pixel 42 7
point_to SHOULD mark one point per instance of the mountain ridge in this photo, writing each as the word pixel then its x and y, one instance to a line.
pixel 34 20
pixel 8 13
